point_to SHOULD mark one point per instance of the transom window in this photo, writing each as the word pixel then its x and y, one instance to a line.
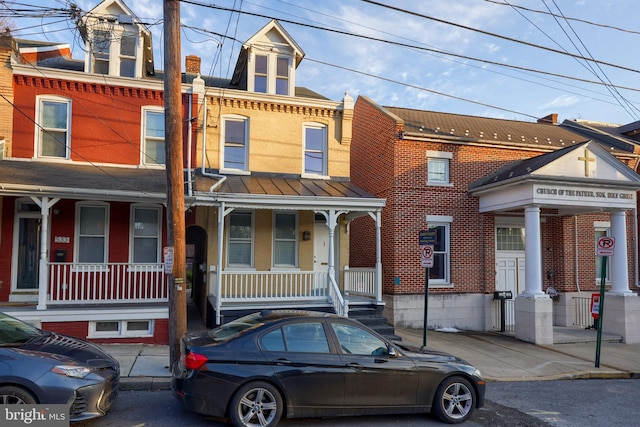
pixel 510 238
pixel 235 146
pixel 315 149
pixel 146 234
pixel 53 127
pixel 153 150
pixel 91 234
pixel 240 232
pixel 285 242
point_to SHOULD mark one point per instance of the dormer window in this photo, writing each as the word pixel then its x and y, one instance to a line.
pixel 118 44
pixel 268 62
pixel 114 53
pixel 271 74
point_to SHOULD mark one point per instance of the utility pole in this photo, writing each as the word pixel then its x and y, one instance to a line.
pixel 175 178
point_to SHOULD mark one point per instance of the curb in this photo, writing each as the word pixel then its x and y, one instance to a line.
pixel 145 383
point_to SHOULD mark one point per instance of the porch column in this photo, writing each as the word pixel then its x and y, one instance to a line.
pixel 532 252
pixel 378 256
pixel 619 267
pixel 45 204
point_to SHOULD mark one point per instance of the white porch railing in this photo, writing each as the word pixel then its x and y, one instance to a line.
pixel 340 305
pixel 109 283
pixel 271 286
pixel 360 282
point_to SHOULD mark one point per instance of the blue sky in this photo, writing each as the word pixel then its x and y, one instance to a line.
pixel 427 77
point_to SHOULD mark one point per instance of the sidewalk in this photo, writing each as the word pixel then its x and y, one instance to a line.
pixel 498 357
pixel 504 358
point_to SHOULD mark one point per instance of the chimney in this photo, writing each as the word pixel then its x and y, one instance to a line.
pixel 192 64
pixel 551 119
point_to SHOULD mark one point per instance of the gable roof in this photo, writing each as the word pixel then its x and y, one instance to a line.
pixel 582 163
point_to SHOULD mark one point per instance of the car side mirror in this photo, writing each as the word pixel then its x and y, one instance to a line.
pixel 392 351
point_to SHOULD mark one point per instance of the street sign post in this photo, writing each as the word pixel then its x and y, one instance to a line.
pixel 427 240
pixel 604 248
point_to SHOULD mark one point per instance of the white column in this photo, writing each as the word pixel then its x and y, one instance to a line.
pixel 378 256
pixel 43 278
pixel 619 260
pixel 532 252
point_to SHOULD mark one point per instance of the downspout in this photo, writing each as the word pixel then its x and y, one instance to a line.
pixel 635 250
pixel 189 142
pixel 218 284
pixel 575 249
pixel 221 178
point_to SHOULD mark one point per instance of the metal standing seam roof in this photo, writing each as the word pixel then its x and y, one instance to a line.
pixel 257 185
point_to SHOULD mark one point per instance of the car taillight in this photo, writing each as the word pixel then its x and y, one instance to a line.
pixel 193 360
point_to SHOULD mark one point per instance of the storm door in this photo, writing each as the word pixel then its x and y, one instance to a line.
pixel 26 248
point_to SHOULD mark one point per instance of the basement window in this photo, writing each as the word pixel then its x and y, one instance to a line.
pixel 120 328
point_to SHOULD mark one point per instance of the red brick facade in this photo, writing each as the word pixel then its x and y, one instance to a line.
pixel 394 167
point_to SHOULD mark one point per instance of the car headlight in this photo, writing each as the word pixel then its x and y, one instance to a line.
pixel 476 373
pixel 71 371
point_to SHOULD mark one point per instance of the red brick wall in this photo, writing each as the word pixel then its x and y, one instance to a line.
pixel 395 169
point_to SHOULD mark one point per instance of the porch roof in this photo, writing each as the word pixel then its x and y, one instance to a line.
pixel 273 191
pixel 69 180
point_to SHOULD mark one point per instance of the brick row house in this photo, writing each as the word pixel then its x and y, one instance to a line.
pixel 511 206
pixel 83 185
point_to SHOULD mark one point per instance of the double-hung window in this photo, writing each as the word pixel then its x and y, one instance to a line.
pixel 439 274
pixel 285 239
pixel 261 73
pixel 146 234
pixel 101 49
pixel 282 75
pixel 438 163
pixel 153 149
pixel 240 242
pixel 315 149
pixel 53 127
pixel 92 233
pixel 235 146
pixel 128 43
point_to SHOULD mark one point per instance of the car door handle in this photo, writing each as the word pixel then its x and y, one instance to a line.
pixel 283 362
pixel 355 365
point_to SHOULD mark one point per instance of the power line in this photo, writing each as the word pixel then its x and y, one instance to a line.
pixel 488 33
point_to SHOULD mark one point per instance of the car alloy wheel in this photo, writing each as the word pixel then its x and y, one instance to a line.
pixel 455 400
pixel 10 395
pixel 256 404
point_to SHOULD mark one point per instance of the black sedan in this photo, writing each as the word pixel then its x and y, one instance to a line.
pixel 294 364
pixel 41 367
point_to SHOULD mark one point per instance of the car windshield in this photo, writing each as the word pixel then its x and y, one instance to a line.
pixel 236 327
pixel 14 331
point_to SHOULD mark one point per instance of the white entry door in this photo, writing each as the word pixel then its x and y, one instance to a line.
pixel 510 273
pixel 320 247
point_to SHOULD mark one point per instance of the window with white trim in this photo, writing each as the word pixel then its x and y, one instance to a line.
pixel 114 51
pixel 315 149
pixel 510 238
pixel 53 127
pixel 146 234
pixel 120 328
pixel 153 143
pixel 439 274
pixel 235 143
pixel 285 239
pixel 438 165
pixel 282 75
pixel 602 229
pixel 92 233
pixel 272 73
pixel 240 239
